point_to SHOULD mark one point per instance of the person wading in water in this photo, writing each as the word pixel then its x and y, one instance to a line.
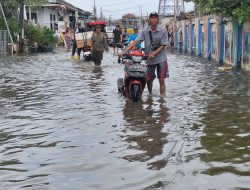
pixel 155 38
pixel 98 44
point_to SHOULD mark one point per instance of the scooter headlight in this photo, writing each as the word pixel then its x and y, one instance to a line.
pixel 136 59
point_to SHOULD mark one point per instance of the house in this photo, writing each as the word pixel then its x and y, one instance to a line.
pixel 130 21
pixel 57 15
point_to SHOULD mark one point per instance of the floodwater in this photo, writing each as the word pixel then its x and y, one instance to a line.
pixel 64 126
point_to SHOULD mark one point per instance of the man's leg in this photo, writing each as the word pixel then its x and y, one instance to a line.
pixel 150 86
pixel 98 58
pixel 78 54
pixel 162 74
pixel 116 49
pixel 74 48
pixel 162 87
pixel 151 74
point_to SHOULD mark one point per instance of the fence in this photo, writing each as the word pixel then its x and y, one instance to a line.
pixel 3 41
pixel 216 38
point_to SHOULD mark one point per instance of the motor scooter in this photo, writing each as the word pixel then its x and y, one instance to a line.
pixel 135 75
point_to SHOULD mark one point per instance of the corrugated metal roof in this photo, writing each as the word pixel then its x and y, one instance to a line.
pixel 69 6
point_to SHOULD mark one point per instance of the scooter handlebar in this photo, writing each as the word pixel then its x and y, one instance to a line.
pixel 128 56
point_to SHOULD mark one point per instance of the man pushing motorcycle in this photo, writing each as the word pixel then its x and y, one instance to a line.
pixel 155 39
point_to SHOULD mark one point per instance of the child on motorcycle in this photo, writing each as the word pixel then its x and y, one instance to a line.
pixel 133 37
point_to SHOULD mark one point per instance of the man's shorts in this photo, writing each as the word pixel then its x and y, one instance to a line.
pixel 118 45
pixel 162 71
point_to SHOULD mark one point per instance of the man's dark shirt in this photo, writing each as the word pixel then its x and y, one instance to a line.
pixel 117 35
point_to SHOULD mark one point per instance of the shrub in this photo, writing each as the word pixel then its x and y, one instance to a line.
pixel 13 26
pixel 40 36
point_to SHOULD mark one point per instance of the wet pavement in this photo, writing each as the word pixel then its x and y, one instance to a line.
pixel 64 126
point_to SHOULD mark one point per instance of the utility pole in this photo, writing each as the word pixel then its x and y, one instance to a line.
pixel 174 10
pixel 141 17
pixel 109 20
pixel 95 11
pixel 170 7
pixel 101 14
pixel 21 25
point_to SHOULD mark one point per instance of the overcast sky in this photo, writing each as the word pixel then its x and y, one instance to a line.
pixel 117 8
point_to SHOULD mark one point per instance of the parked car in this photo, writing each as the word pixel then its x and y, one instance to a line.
pixel 109 31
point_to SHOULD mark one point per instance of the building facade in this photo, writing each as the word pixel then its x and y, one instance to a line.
pixel 57 14
pixel 130 21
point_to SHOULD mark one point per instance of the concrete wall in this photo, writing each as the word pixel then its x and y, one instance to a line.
pixel 213 37
pixel 246 46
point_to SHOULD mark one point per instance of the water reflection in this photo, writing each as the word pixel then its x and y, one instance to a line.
pixel 64 126
pixel 227 127
pixel 145 121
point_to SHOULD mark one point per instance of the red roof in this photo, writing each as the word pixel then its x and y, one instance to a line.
pixel 96 23
pixel 129 15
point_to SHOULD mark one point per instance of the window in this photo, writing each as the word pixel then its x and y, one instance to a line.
pixel 60 18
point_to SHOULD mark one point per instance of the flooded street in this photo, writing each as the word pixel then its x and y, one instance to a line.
pixel 64 126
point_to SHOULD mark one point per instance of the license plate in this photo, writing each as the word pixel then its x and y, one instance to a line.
pixel 86 53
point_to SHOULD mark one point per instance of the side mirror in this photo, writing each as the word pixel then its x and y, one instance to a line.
pixel 119 59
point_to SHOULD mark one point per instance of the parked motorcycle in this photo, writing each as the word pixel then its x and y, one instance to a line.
pixel 135 76
pixel 87 53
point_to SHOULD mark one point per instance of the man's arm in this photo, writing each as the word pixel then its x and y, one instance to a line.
pixel 164 43
pixel 106 43
pixel 131 45
pixel 121 37
pixel 91 42
pixel 161 48
pixel 140 38
pixel 153 54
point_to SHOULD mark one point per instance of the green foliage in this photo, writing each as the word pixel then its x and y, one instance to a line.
pixel 48 38
pixel 13 26
pixel 238 10
pixel 32 33
pixel 10 6
pixel 40 36
pixel 36 3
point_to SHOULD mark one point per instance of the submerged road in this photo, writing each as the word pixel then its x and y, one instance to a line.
pixel 64 126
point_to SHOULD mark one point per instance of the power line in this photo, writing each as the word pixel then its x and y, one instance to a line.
pixel 117 10
pixel 116 4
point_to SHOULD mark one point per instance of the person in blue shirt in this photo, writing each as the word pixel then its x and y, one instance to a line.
pixel 132 38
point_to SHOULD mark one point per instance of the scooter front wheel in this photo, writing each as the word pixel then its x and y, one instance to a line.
pixel 135 92
pixel 120 85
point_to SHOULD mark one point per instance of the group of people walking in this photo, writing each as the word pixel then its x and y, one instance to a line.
pixel 155 38
pixel 122 39
pixel 92 41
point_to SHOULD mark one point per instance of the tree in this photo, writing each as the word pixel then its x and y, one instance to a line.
pixel 11 12
pixel 11 6
pixel 238 10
